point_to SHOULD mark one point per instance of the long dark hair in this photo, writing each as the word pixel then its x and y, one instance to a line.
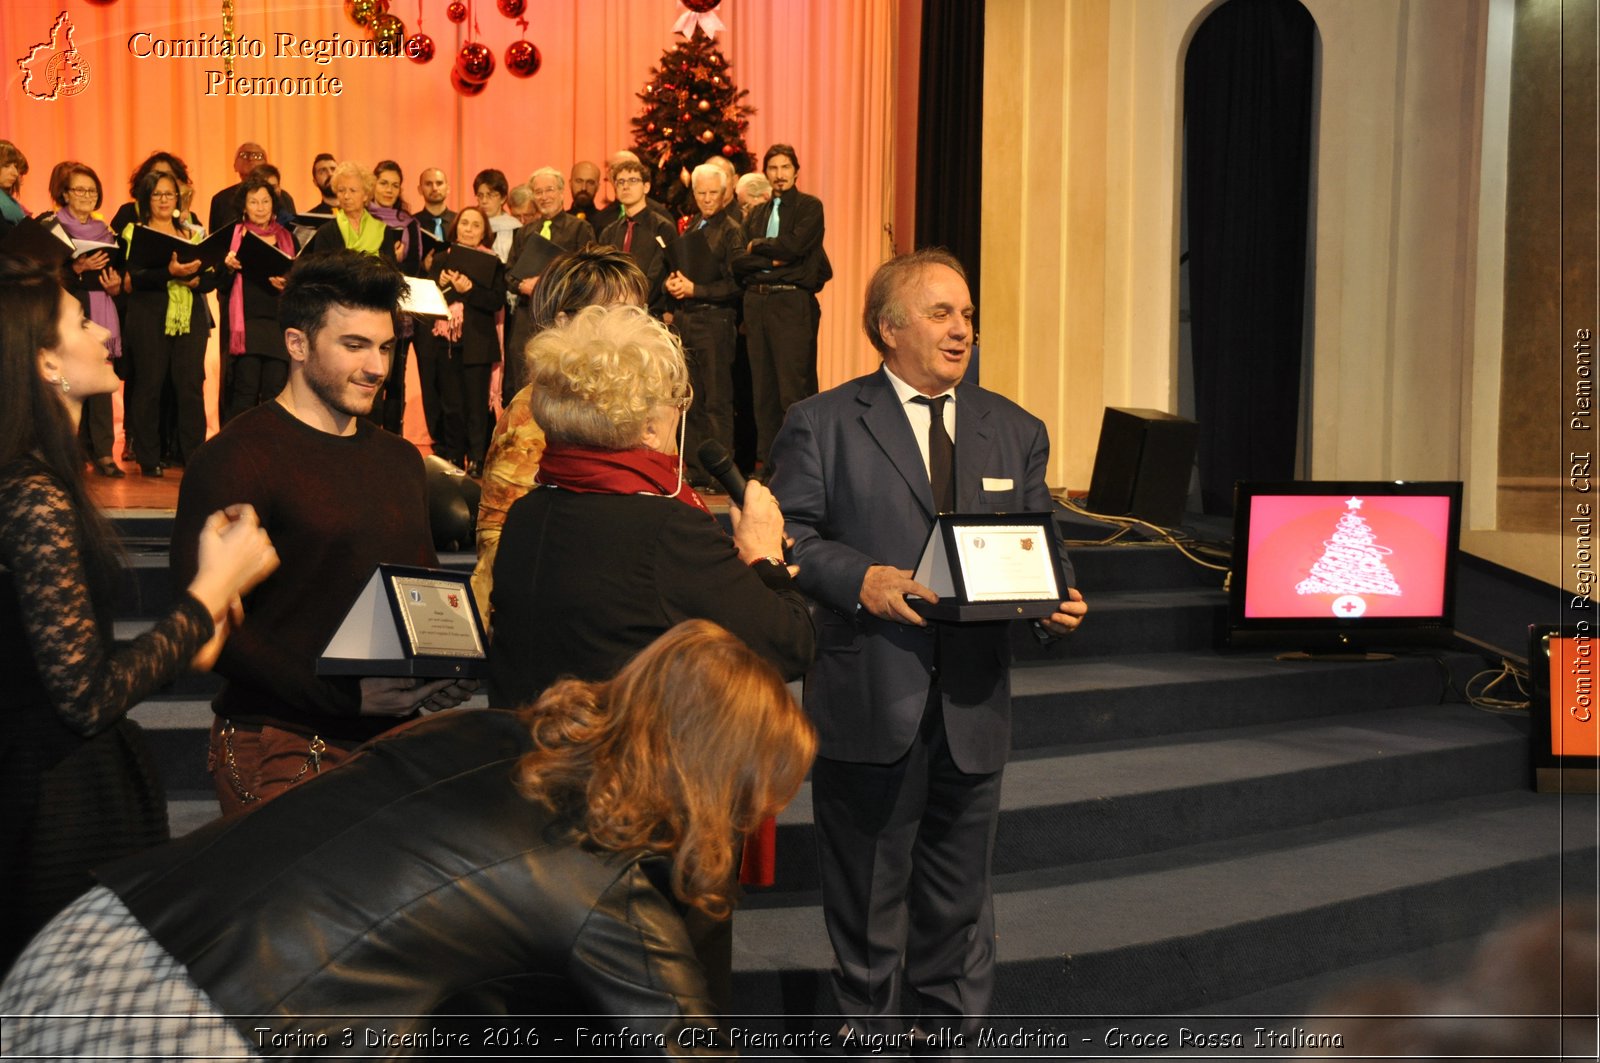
pixel 34 424
pixel 177 165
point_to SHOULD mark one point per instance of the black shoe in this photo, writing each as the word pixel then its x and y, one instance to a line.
pixel 152 470
pixel 475 470
pixel 108 468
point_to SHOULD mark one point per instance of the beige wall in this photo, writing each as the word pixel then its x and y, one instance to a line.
pixel 1083 103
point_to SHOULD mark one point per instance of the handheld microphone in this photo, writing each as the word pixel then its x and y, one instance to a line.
pixel 715 460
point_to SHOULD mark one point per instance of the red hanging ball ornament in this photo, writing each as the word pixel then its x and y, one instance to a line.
pixel 523 59
pixel 729 150
pixel 419 48
pixel 512 8
pixel 475 62
pixel 700 7
pixel 456 12
pixel 466 88
pixel 649 127
pixel 707 136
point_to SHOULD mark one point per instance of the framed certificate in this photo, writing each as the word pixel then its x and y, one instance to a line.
pixel 991 566
pixel 409 622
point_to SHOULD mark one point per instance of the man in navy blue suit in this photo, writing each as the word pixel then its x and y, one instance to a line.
pixel 914 718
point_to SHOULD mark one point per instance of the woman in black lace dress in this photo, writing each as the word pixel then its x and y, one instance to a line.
pixel 76 782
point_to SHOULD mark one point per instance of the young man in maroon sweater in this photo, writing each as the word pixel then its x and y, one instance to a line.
pixel 337 496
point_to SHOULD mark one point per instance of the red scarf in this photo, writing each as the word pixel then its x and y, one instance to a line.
pixel 637 471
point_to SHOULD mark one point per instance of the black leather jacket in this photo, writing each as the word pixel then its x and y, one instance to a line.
pixel 412 882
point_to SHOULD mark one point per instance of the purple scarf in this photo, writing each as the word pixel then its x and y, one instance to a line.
pixel 395 218
pixel 284 242
pixel 102 311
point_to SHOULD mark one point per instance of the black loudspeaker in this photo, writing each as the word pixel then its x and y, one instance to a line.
pixel 1142 466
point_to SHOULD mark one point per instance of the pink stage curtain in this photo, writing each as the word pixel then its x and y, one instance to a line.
pixel 821 74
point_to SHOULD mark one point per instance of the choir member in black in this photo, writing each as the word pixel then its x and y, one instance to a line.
pixel 551 223
pixel 322 168
pixel 77 192
pixel 128 214
pixel 704 315
pixel 260 359
pixel 434 188
pixel 389 207
pixel 166 328
pixel 13 165
pixel 353 225
pixel 474 347
pixel 640 232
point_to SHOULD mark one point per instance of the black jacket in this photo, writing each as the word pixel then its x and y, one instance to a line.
pixel 582 582
pixel 415 881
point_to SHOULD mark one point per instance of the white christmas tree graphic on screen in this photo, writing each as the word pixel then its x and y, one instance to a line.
pixel 1351 566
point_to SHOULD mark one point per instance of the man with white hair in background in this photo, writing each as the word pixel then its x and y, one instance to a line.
pixel 704 315
pixel 549 221
pixel 752 190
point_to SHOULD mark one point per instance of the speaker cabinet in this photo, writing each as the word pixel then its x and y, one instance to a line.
pixel 1142 466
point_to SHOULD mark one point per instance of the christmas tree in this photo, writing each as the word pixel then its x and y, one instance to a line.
pixel 691 112
pixel 1352 563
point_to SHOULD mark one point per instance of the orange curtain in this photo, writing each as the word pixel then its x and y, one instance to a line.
pixel 821 74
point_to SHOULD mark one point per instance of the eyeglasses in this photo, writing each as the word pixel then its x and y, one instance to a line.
pixel 624 182
pixel 257 155
pixel 163 195
pixel 80 191
pixel 682 403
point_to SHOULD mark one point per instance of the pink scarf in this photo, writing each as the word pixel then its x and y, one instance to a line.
pixel 284 242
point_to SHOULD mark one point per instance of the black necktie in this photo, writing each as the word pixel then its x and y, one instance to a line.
pixel 941 455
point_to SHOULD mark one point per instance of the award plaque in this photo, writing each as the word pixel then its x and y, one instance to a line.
pixel 990 566
pixel 409 622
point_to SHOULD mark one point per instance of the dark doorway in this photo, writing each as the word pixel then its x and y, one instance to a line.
pixel 1249 87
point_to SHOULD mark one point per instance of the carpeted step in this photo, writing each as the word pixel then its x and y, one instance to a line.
pixel 1137 696
pixel 1136 621
pixel 1213 922
pixel 1112 800
pixel 1137 566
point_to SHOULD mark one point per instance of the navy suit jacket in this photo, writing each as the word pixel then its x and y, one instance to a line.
pixel 855 493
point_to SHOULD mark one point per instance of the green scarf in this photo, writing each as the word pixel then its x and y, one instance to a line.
pixel 180 297
pixel 368 239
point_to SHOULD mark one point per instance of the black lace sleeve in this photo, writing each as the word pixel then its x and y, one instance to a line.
pixel 91 683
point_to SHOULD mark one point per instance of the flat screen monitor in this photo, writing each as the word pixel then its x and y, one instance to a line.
pixel 1338 566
